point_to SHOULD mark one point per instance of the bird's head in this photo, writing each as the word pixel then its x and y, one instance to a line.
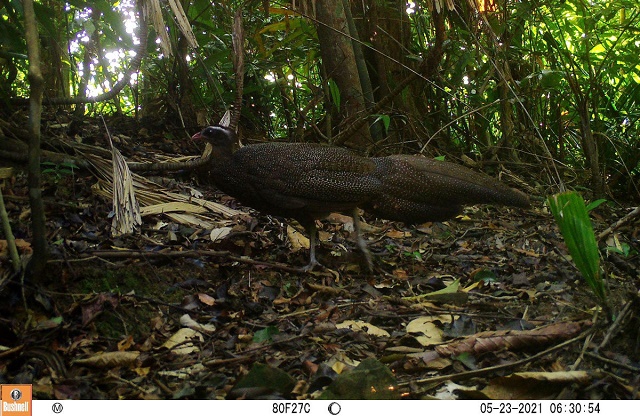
pixel 218 136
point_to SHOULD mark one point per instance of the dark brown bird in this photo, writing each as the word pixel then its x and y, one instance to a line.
pixel 307 182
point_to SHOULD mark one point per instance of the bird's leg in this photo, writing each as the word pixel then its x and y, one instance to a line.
pixel 362 245
pixel 312 231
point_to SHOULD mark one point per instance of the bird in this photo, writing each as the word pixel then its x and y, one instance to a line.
pixel 307 182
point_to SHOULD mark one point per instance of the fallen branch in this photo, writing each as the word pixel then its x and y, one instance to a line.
pixel 622 221
pixel 508 366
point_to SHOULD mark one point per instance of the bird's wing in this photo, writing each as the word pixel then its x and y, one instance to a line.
pixel 296 176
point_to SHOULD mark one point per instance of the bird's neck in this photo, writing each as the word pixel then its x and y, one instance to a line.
pixel 222 152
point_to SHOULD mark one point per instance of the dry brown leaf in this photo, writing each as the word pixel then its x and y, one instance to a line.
pixel 180 342
pixel 126 210
pixel 364 327
pixel 218 234
pixel 206 299
pixel 189 322
pixel 429 332
pixel 126 343
pixel 185 373
pixel 397 234
pixel 400 274
pixel 167 207
pixel 110 359
pixel 297 239
pixel 532 385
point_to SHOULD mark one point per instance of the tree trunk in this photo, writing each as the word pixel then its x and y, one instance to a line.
pixel 339 61
pixel 590 149
pixel 54 52
pixel 36 82
pixel 387 27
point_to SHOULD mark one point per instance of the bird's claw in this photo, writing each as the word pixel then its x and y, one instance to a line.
pixel 312 264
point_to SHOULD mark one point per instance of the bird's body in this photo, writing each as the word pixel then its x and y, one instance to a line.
pixel 305 182
pixel 308 181
pixel 301 181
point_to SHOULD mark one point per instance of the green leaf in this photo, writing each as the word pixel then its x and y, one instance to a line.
pixel 415 254
pixel 265 334
pixel 369 380
pixel 266 377
pixel 485 276
pixel 573 220
pixel 624 250
pixel 69 165
pixel 386 121
pixel 335 93
pixel 468 360
pixel 550 79
pixel 595 204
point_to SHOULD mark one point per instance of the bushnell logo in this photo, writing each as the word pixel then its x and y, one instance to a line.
pixel 16 394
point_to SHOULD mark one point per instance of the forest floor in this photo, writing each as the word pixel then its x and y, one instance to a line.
pixel 487 305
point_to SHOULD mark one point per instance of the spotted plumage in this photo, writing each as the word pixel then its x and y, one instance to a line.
pixel 416 189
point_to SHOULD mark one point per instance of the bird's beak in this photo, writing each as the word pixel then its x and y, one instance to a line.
pixel 196 136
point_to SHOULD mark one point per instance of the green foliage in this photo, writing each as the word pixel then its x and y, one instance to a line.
pixel 623 249
pixel 595 204
pixel 573 220
pixel 265 335
pixel 385 119
pixel 335 93
pixel 58 170
pixel 486 276
pixel 416 255
pixel 265 377
pixel 370 380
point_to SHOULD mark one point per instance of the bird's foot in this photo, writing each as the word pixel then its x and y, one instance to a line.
pixel 362 245
pixel 313 263
pixel 367 256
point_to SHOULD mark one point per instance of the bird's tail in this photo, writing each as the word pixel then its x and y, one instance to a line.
pixel 417 189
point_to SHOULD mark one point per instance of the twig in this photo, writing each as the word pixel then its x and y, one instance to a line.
pixel 225 361
pixel 135 254
pixel 163 387
pixel 11 241
pixel 613 329
pixel 620 223
pixel 130 383
pixel 586 344
pixel 247 353
pixel 311 310
pixel 612 362
pixel 484 371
